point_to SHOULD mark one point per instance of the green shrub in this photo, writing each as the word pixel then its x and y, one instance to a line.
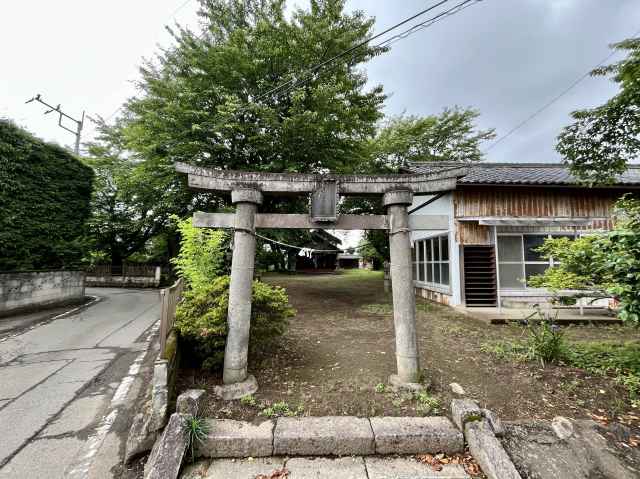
pixel 202 254
pixel 201 319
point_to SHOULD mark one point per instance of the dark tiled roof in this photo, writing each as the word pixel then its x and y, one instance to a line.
pixel 519 173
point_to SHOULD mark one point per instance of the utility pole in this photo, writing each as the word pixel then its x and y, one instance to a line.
pixel 79 123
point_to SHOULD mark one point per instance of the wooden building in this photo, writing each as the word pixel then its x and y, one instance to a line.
pixel 498 215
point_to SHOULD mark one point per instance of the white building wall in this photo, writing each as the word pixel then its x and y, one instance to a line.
pixel 441 206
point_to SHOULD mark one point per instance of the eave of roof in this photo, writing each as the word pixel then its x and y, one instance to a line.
pixel 522 174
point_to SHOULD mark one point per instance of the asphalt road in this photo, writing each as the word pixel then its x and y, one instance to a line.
pixel 68 387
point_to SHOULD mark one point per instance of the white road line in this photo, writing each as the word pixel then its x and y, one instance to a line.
pixel 80 467
pixel 86 305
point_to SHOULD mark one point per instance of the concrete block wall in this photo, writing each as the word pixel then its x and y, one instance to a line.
pixel 22 291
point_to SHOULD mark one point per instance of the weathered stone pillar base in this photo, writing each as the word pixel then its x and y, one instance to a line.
pixel 404 303
pixel 397 384
pixel 240 287
pixel 238 390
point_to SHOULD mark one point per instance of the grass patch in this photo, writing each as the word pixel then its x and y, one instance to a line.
pixel 361 273
pixel 620 360
pixel 281 408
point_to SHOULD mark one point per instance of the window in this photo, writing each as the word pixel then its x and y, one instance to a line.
pixel 432 260
pixel 518 259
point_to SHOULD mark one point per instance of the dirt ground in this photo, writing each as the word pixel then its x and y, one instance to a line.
pixel 339 352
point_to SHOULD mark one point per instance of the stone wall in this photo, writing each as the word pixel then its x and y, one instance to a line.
pixel 110 281
pixel 23 291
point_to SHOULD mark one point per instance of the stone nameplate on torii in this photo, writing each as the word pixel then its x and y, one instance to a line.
pixel 247 190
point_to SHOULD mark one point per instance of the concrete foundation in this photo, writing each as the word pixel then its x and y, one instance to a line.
pixel 239 316
pixel 404 303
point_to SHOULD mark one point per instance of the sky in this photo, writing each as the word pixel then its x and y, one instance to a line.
pixel 506 58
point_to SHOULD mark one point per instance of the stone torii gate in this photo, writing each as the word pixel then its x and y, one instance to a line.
pixel 247 190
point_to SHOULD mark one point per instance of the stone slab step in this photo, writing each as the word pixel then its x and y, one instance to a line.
pixel 323 436
pixel 331 436
pixel 415 435
pixel 229 438
pixel 322 467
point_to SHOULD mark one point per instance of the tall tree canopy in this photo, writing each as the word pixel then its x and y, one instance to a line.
pixel 204 100
pixel 602 140
pixel 133 199
pixel 449 136
pixel 44 202
pixel 209 101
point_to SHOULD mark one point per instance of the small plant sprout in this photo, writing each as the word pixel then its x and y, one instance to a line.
pixel 380 388
pixel 426 403
pixel 197 429
pixel 281 408
pixel 248 400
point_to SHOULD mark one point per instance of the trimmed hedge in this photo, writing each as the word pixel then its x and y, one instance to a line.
pixel 45 196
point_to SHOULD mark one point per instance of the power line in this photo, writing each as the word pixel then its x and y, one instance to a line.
pixel 554 99
pixel 420 26
pixel 351 49
pixel 426 24
pixel 184 4
pixel 302 248
pixel 307 75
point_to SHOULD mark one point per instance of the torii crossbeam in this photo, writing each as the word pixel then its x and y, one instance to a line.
pixel 247 190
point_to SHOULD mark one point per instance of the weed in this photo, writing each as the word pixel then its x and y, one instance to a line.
pixel 453 331
pixel 197 430
pixel 425 307
pixel 381 388
pixel 505 350
pixel 622 360
pixel 248 400
pixel 570 386
pixel 281 408
pixel 426 404
pixel 546 342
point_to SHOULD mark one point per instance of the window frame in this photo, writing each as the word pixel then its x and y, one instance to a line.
pixel 551 262
pixel 429 266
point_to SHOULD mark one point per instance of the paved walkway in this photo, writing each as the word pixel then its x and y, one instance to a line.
pixel 314 468
pixel 66 386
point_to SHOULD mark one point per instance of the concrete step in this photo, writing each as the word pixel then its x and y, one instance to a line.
pixel 331 436
pixel 372 467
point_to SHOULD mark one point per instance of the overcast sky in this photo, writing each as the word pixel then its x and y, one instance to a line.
pixel 506 58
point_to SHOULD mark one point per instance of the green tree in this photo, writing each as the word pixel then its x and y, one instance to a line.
pixel 602 140
pixel 449 136
pixel 599 265
pixel 133 199
pixel 45 194
pixel 204 100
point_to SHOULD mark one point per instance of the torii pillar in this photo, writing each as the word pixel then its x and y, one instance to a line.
pixel 404 302
pixel 240 290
